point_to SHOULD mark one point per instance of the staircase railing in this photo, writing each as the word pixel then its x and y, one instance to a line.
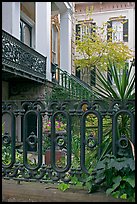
pixel 75 87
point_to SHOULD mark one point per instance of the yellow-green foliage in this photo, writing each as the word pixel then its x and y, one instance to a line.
pixel 95 49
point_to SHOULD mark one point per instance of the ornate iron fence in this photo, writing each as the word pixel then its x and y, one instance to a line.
pixel 20 59
pixel 79 130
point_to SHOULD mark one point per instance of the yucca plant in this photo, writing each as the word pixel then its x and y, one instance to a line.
pixel 123 87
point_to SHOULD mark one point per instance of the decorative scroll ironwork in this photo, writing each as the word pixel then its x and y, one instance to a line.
pixel 20 59
pixel 30 166
pixel 6 139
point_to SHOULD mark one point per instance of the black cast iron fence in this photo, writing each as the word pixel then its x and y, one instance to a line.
pixel 79 130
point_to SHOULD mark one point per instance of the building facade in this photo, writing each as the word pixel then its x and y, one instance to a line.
pixel 114 13
pixel 35 35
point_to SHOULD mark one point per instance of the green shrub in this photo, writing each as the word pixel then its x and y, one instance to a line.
pixel 116 176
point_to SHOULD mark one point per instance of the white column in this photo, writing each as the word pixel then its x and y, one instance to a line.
pixel 131 14
pixel 43 32
pixel 65 41
pixel 11 18
pixel 131 40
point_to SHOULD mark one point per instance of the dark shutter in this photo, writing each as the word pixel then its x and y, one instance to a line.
pixel 93 76
pixel 125 30
pixel 77 31
pixel 109 33
pixel 92 27
pixel 93 30
pixel 77 73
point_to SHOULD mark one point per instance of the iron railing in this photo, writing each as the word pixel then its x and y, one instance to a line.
pixel 89 127
pixel 72 85
pixel 22 60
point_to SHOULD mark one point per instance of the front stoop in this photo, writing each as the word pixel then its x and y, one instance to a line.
pixel 41 192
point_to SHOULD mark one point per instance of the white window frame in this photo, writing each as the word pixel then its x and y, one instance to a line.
pixel 54 40
pixel 31 23
pixel 117 31
pixel 84 30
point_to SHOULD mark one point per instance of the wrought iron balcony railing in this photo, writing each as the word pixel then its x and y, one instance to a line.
pixel 21 59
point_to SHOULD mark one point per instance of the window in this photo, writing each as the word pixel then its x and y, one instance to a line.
pixel 25 33
pixel 54 45
pixel 119 30
pixel 82 30
pixel 117 34
pixel 27 23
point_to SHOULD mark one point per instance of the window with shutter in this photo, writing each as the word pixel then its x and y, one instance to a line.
pixel 119 30
pixel 81 30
